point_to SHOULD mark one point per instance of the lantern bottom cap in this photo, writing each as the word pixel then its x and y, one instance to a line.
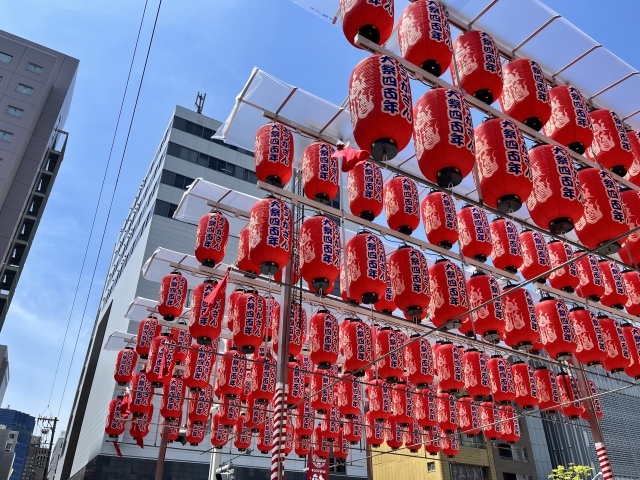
pixel 274 180
pixel 481 257
pixel 484 95
pixel 358 373
pixel 528 407
pixel 322 198
pixel 511 269
pixel 433 453
pixel 269 268
pixel 617 370
pixel 113 436
pixel 619 170
pixel 196 444
pixel 370 32
pixel 618 306
pixel 375 445
pixel 568 289
pixel 533 122
pixel 432 66
pixel 422 386
pixel 563 356
pixel 560 225
pixel 302 456
pixel 452 324
pixel 577 147
pixel 261 401
pixel 384 149
pixel 144 356
pixel 523 346
pixel 231 396
pixel 414 311
pixel 491 335
pixel 449 177
pixel 509 203
pixel 122 384
pixel 203 340
pixel 324 366
pixel 369 297
pixel 169 318
pixel 405 229
pixel 367 215
pixel 595 298
pixel 207 262
pixel 320 283
pixel 157 384
pixel 248 349
pixel 138 414
pixel 392 380
pixel 470 334
pixel 608 249
pixel 445 244
pixel 195 389
pixel 594 363
pixel 354 443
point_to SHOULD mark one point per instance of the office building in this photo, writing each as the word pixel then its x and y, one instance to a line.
pixel 36 461
pixel 186 152
pixel 7 451
pixel 55 455
pixel 36 86
pixel 4 371
pixel 24 425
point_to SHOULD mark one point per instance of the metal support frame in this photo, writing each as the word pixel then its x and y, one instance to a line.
pixel 482 12
pixel 605 89
pixel 542 27
pixel 575 60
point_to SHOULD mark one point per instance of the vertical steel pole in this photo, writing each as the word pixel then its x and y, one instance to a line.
pixel 163 450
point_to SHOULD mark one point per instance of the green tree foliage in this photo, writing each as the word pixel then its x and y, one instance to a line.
pixel 572 472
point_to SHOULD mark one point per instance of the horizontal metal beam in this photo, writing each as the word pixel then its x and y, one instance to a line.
pixel 530 37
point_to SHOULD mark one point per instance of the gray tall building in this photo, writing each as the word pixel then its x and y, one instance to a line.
pixel 55 455
pixel 4 371
pixel 36 86
pixel 35 463
pixel 8 439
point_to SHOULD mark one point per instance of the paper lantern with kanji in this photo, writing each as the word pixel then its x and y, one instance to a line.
pixel 125 365
pixel 468 416
pixel 403 404
pixel 556 329
pixel 524 94
pixel 488 320
pixel 424 36
pixel 591 281
pixel 162 359
pixel 615 290
pixel 321 389
pixel 474 233
pixel 604 217
pixel 302 446
pixel 610 147
pixel 379 394
pixel 374 431
pixel 116 420
pixel 348 396
pixel 147 331
pixel 232 308
pixel 402 204
pixel 321 445
pixel 547 389
pixel 633 174
pixel 297 328
pixel 632 338
pixel 330 424
pixel 249 321
pixel 353 429
pixel 630 251
pixel 199 368
pixel 425 408
pixel 393 434
pixel 443 136
pixel 211 238
pixel 439 219
pixel 273 154
pixel 569 393
pixel 323 339
pixel 141 394
pixel 264 439
pixel 525 385
pixel 172 296
pixel 195 433
pixel 385 303
pixel 501 380
pixel 320 172
pixel 489 420
pixel 413 437
pixel 295 383
pixel 341 446
pixel 565 278
pixel 570 122
pixel 520 322
pixel 367 266
pixel 365 190
pixel 199 406
pixel 506 252
pixel 448 361
pixel 319 252
pixel 448 293
pixel 244 262
pixel 478 65
pixel 256 414
pixel 231 373
pixel 270 235
pixel 408 270
pixel 357 346
pixel 372 20
pixel 447 409
pixel 304 419
pixel 590 348
pixel 618 357
pixel 476 375
pixel 172 398
pixel 219 435
pixel 229 412
pixel 205 324
pixel 597 403
pixel 503 165
pixel 241 434
pixel 380 105
pixel 263 378
pixel 509 426
pixel 431 439
pixel 139 427
pixel 450 445
pixel 418 361
pixel 182 340
pixel 174 429
pixel 536 257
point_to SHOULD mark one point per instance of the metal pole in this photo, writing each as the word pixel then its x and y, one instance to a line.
pixel 163 450
pixel 45 474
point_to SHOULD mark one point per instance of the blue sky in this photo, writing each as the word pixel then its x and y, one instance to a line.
pixel 201 45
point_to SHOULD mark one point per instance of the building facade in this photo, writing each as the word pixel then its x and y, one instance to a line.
pixel 7 451
pixel 24 425
pixel 36 86
pixel 4 371
pixel 55 455
pixel 186 152
pixel 36 460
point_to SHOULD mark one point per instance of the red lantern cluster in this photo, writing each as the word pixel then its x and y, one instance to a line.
pixel 211 239
pixel 524 94
pixel 273 154
pixel 402 204
pixel 570 123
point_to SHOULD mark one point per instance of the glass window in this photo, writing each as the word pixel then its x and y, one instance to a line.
pixel 168 178
pixel 240 172
pixel 193 156
pixel 172 209
pixel 431 466
pixel 207 133
pixel 162 208
pixel 33 68
pixel 26 89
pixel 197 130
pixel 5 136
pixel 189 127
pixel 179 123
pixel 5 57
pixel 203 160
pixel 222 166
pixel 184 153
pixel 179 181
pixel 14 111
pixel 213 162
pixel 231 169
pixel 173 149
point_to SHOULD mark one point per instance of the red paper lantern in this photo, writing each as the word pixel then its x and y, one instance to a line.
pixel 320 173
pixel 536 256
pixel 506 252
pixel 634 170
pixel 263 378
pixel 200 405
pixel 501 380
pixel 547 390
pixel 162 359
pixel 418 360
pixel 597 403
pixel 357 346
pixel 320 391
pixel 385 303
pixel 297 328
pixel 468 416
pixel 199 367
pixel 615 290
pixel 244 262
pixel 448 360
pixel 205 324
pixel 569 393
pixel 476 376
pixel 323 339
pixel 125 365
pixel 447 412
pixel 304 419
pixel 232 309
pixel 509 425
pixel 402 397
pixel 413 437
pixel 379 400
pixel 330 424
pixel 273 154
pixel 229 412
pixel 632 338
pixel 141 394
pixel 195 433
pixel 265 438
pixel 182 340
pixel 173 294
pixel 524 94
pixel 425 409
pixel 319 252
pixel 302 446
pixel 443 136
pixel 270 235
pixel 431 439
pixel 172 398
pixel 488 320
pixel 520 322
pixel 408 270
pixel 525 385
pixel 321 445
pixel 618 357
pixel 489 420
pixel 139 427
pixel 556 328
pixel 353 429
pixel 590 348
pixel 347 396
pixel 147 331
pixel 450 445
pixel 372 20
pixel 256 414
pixel 295 383
pixel 219 435
pixel 604 211
pixel 448 293
pixel 439 219
pixel 424 36
pixel 374 430
pixel 366 261
pixel 380 106
pixel 591 281
pixel 211 239
pixel 341 447
pixel 479 67
pixel 242 435
pixel 610 147
pixel 231 373
pixel 570 123
pixel 474 233
pixel 402 204
pixel 248 321
pixel 116 421
pixel 565 278
pixel 365 189
pixel 503 165
pixel 174 429
pixel 630 251
pixel 394 434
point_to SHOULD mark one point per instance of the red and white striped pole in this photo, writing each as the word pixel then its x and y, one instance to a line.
pixel 279 432
pixel 603 459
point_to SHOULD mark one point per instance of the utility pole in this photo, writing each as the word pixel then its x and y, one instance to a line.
pixel 47 431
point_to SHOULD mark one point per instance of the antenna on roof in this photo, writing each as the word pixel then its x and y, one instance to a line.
pixel 200 102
